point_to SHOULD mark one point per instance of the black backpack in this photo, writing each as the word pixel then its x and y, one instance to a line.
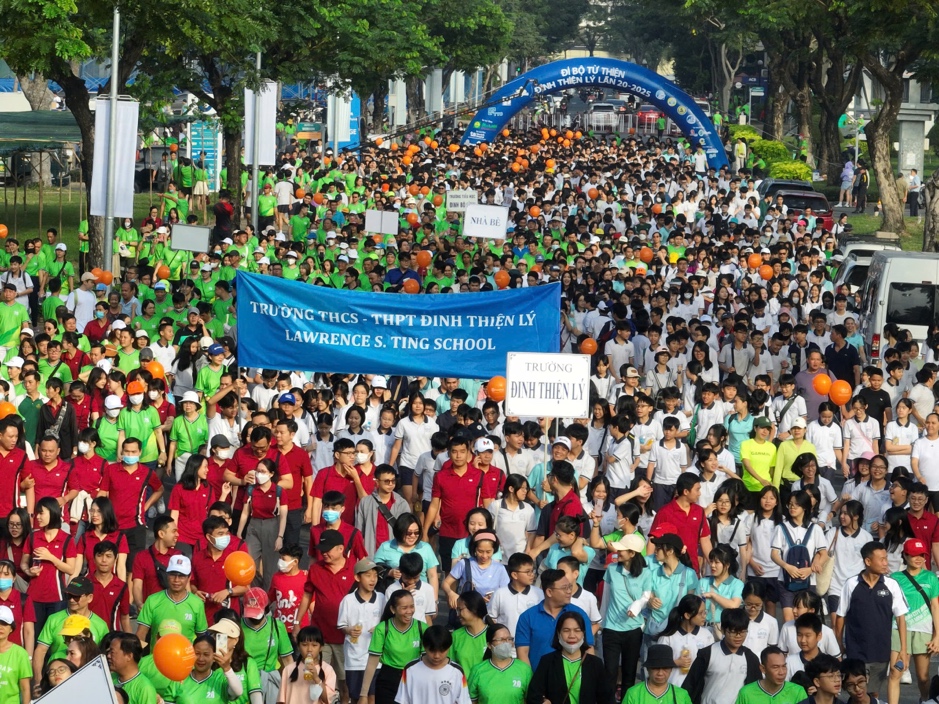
pixel 798 556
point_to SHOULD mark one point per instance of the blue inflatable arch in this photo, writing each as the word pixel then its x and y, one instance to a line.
pixel 595 72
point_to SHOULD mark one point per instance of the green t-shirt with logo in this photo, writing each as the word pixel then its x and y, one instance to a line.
pixel 189 614
pixel 141 424
pixel 14 666
pixel 164 686
pixel 12 317
pixel 467 650
pixel 189 437
pixel 397 648
pixel 490 685
pixel 50 633
pixel 139 689
pixel 250 677
pixel 107 439
pixel 267 643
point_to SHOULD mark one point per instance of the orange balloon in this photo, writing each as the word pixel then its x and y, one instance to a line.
pixel 535 148
pixel 385 187
pixel 589 346
pixel 239 568
pixel 156 369
pixel 505 132
pixel 754 261
pixel 534 211
pixel 560 140
pixel 566 142
pixel 766 272
pixel 550 163
pixel 412 219
pixel 411 286
pixel 840 392
pixel 502 278
pixel 318 198
pixel 515 167
pixel 425 190
pixel 434 144
pixel 657 208
pixel 174 655
pixel 822 384
pixel 593 193
pixel 569 134
pixel 536 268
pixel 394 146
pixel 406 160
pixel 414 189
pixel 497 385
pixel 424 258
pixel 97 272
pixel 454 148
pixel 7 409
pixel 299 193
pixel 438 200
pixel 3 231
pixel 174 148
pixel 553 133
pixel 524 163
pixel 544 133
pixel 646 255
pixel 377 239
pixel 578 134
pixel 379 141
pixel 107 277
pixel 478 152
pixel 427 141
pixel 162 272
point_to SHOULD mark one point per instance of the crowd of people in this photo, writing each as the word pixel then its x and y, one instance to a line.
pixel 715 531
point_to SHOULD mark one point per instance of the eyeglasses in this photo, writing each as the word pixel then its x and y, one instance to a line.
pixel 346 452
pixel 14 525
pixel 500 641
pixel 830 676
pixel 565 588
pixel 733 632
pixel 63 670
pixel 860 684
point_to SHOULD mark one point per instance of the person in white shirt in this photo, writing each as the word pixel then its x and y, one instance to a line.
pixel 509 602
pixel 359 614
pixel 425 601
pixel 433 678
pixel 81 302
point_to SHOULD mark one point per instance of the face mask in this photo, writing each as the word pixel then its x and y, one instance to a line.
pixel 113 412
pixel 136 399
pixel 224 453
pixel 331 516
pixel 503 651
pixel 572 647
pixel 222 543
pixel 361 457
pixel 154 395
pixel 284 565
pixel 83 447
pixel 262 477
pixel 99 314
pixel 130 459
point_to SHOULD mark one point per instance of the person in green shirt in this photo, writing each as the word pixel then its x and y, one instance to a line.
pixel 267 206
pixel 128 356
pixel 76 620
pixel 209 379
pixel 148 321
pixel 30 405
pixel 469 642
pixel 174 604
pixel 774 687
pixel 140 420
pixel 657 689
pixel 206 684
pixel 189 434
pixel 500 678
pixel 61 268
pixel 15 670
pixel 396 642
pixel 212 325
pixel 124 655
pixel 13 318
pixel 300 224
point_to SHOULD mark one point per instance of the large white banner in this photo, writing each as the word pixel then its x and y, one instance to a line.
pixel 267 120
pixel 547 385
pixel 125 157
pixel 488 221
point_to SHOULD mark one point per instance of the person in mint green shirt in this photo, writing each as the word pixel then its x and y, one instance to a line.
pixel 774 688
pixel 300 224
pixel 53 366
pixel 205 684
pixel 148 321
pixel 15 667
pixel 61 268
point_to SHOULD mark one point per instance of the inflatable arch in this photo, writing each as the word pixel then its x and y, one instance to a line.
pixel 598 73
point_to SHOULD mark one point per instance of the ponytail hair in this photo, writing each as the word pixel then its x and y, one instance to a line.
pixel 689 604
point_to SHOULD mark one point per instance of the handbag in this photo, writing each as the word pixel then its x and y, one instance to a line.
pixel 453 620
pixel 823 578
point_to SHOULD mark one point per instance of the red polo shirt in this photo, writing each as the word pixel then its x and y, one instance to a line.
pixel 216 475
pixel 458 496
pixel 351 536
pixel 145 571
pixel 691 526
pixel 568 506
pixel 50 482
pixel 328 479
pixel 15 603
pixel 11 466
pixel 493 484
pixel 926 529
pixel 110 602
pixel 193 506
pixel 128 492
pixel 208 575
pixel 245 461
pixel 296 462
pixel 87 474
pixel 82 409
pixel 89 541
pixel 328 589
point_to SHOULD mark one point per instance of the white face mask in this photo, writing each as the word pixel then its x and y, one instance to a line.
pixel 224 453
pixel 361 457
pixel 284 565
pixel 572 647
pixel 113 412
pixel 262 477
pixel 154 395
pixel 83 447
pixel 135 399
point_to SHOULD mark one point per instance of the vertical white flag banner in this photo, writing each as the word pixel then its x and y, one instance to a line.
pixel 125 158
pixel 267 122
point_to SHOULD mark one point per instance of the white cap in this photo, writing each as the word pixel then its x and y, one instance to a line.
pixel 227 240
pixel 799 422
pixel 61 246
pixel 259 250
pixel 6 615
pixel 292 254
pixel 562 440
pixel 112 402
pixel 343 245
pixel 264 260
pixel 206 342
pixel 340 258
pixel 379 382
pixel 118 325
pixel 162 230
pixel 191 397
pixel 16 362
pixel 352 254
pixel 280 237
pixel 181 564
pixel 142 333
pixel 484 445
pixel 106 365
pixel 206 267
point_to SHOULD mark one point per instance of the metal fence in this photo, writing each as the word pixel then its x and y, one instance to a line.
pixel 602 123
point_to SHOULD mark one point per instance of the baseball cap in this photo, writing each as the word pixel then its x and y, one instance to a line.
pixel 226 627
pixel 288 398
pixel 329 539
pixel 179 564
pixel 215 348
pixel 632 373
pixel 915 547
pixel 762 422
pixel 484 445
pixel 118 325
pixel 662 529
pixel 669 540
pixel 562 440
pixel 364 565
pixel 159 286
pixel 16 362
pixel 206 342
pixel 61 246
pixel 799 422
pixel 633 542
pixel 136 387
pixel 6 615
pixel 80 586
pixel 88 276
pixel 256 601
pixel 74 625
pixel 379 382
pixel 112 402
pixel 220 441
pixel 142 333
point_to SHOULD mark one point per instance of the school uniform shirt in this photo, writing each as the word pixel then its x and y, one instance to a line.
pixel 128 492
pixel 793 410
pixel 421 684
pixel 587 602
pixel 795 663
pixel 827 439
pixel 875 501
pixel 868 613
pixel 522 462
pixel 761 632
pixel 415 439
pixel 705 417
pixel 900 435
pixel 642 434
pixel 815 542
pixel 506 604
pixel 425 601
pixel 669 462
pixel 353 610
pixel 826 491
pixel 692 641
pixel 926 451
pixel 619 472
pixel 862 436
pixel 512 526
pixel 717 674
pixel 709 487
pixel 847 555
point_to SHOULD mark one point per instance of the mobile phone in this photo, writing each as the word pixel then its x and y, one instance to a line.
pixel 36 562
pixel 900 666
pixel 221 643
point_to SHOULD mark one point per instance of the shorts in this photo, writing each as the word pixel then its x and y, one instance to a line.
pixel 406 475
pixel 846 184
pixel 787 596
pixel 354 679
pixel 877 675
pixel 264 221
pixel 201 188
pixel 186 190
pixel 332 653
pixel 833 601
pixel 283 209
pixel 915 642
pixel 771 585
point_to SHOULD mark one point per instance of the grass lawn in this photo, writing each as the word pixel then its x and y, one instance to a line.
pixel 869 224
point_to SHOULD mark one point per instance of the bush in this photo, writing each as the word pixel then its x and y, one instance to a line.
pixel 933 136
pixel 770 151
pixel 745 132
pixel 794 170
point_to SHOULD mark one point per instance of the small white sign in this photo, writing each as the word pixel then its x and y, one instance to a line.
pixel 488 221
pixel 459 201
pixel 547 385
pixel 90 683
pixel 191 238
pixel 383 222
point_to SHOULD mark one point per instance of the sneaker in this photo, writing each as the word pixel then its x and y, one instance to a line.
pixel 906 677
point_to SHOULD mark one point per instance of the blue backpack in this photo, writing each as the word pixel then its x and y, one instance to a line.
pixel 798 556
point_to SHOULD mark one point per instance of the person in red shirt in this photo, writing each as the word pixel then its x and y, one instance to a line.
pixel 296 462
pixel 49 558
pixel 156 390
pixel 189 501
pixel 333 503
pixel 246 462
pixel 73 357
pixel 127 483
pixel 328 581
pixel 342 477
pixel 924 523
pixel 102 527
pixel 287 588
pixel 377 512
pixel 12 599
pixel 57 417
pixel 47 476
pixel 87 472
pixel 493 477
pixel 81 402
pixel 219 463
pixel 208 568
pixel 457 488
pixel 14 542
pixel 12 462
pixel 566 502
pixel 112 598
pixel 150 566
pixel 267 512
pixel 684 517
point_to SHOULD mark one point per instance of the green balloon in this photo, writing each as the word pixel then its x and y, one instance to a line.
pixel 843 120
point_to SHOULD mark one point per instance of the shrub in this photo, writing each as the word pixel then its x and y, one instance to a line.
pixel 745 132
pixel 770 151
pixel 795 170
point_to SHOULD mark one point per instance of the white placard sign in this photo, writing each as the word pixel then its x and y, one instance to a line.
pixel 384 222
pixel 191 238
pixel 90 683
pixel 487 221
pixel 459 201
pixel 552 385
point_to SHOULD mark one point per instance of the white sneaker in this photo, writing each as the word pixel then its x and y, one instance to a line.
pixel 906 677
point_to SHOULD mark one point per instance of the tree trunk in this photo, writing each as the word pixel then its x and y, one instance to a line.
pixel 803 100
pixel 415 93
pixel 931 216
pixel 232 139
pixel 830 148
pixel 36 90
pixel 378 109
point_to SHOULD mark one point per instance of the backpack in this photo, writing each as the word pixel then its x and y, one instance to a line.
pixel 798 556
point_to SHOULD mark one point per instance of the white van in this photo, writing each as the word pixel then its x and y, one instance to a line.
pixel 901 288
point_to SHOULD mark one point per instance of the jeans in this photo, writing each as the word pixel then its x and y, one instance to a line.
pixel 446 550
pixel 621 649
pixel 292 529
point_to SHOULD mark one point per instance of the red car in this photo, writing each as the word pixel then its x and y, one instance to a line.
pixel 648 114
pixel 797 202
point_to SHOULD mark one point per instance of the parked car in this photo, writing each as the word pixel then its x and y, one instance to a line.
pixel 704 105
pixel 621 106
pixel 648 114
pixel 601 117
pixel 797 202
pixel 769 186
